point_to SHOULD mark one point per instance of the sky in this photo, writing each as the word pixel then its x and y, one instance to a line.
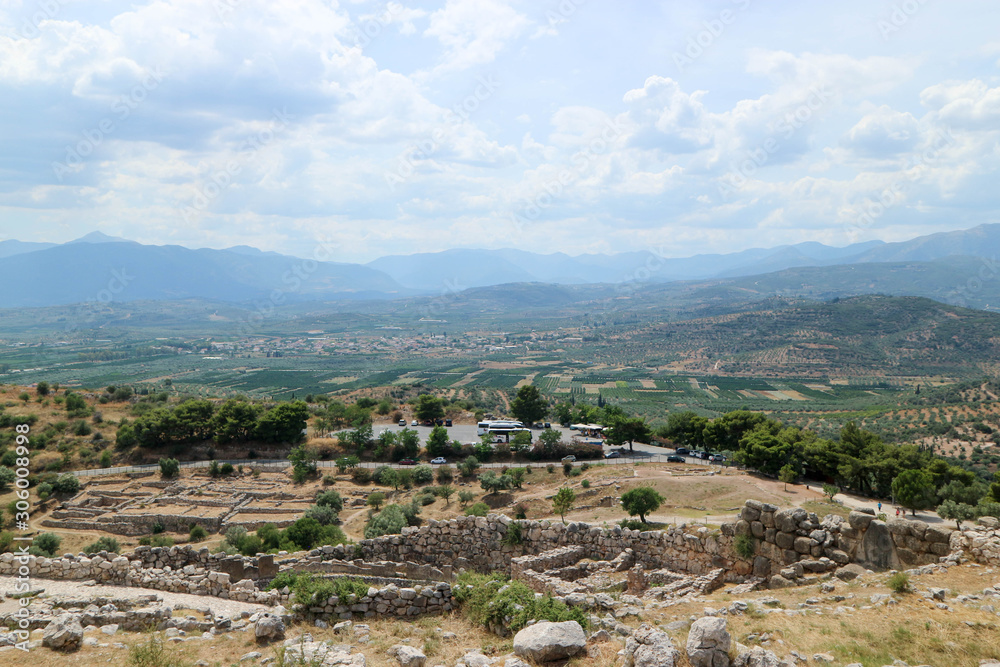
pixel 578 126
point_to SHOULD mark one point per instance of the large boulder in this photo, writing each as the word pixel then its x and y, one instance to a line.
pixel 269 627
pixel 547 641
pixel 408 656
pixel 63 633
pixel 877 550
pixel 758 656
pixel 708 642
pixel 650 647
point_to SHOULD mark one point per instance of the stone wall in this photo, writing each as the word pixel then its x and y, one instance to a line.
pixel 390 600
pixel 477 542
pixel 978 543
pixel 792 544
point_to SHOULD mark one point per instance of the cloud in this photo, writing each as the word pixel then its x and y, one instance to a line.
pixel 473 32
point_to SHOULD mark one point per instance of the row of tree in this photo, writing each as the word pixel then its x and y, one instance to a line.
pixel 199 420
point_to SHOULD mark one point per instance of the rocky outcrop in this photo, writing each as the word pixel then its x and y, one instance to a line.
pixel 269 628
pixel 650 647
pixel 63 633
pixel 708 642
pixel 547 641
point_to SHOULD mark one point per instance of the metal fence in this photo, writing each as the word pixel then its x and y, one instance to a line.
pixel 276 465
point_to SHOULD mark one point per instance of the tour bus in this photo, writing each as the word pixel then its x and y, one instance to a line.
pixel 502 431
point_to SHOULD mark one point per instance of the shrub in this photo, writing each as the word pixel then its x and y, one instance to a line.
pixel 7 477
pixel 330 499
pixel 169 468
pixel 324 514
pixel 550 468
pixel 375 499
pixel 479 509
pixel 744 546
pixel 491 601
pixel 197 533
pixel 150 653
pixel 469 466
pixel 899 582
pixel 389 521
pixel 103 543
pixel 308 533
pixel 158 528
pixel 423 474
pixel 585 483
pixel 520 511
pixel 44 490
pixel 514 536
pixel 361 475
pixel 425 498
pixel 567 468
pixel 47 544
pixel 226 469
pixel 445 475
pixel 106 459
pixel 382 475
pixel 465 497
pixel 584 467
pixel 66 484
pixel 157 541
pixel 82 428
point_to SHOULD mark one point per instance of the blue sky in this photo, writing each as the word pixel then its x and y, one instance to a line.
pixel 576 126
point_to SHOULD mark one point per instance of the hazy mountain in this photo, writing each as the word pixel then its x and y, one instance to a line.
pixel 99 237
pixel 88 271
pixel 13 247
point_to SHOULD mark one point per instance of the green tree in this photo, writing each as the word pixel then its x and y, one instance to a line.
pixel 957 512
pixel 389 521
pixel 468 467
pixel 47 544
pixel 330 498
pixel 358 439
pixel 830 490
pixel 303 464
pixel 437 442
pixel 428 407
pixel 529 406
pixel 550 439
pixel 66 484
pixel 7 477
pixel 375 499
pixel 563 413
pixel 105 459
pixel 446 491
pixel 235 421
pixel 624 431
pixel 787 474
pixel 563 501
pixel 407 444
pixel 169 468
pixel 284 422
pixel 42 388
pixel 914 490
pixel 521 442
pixel 25 396
pixel 641 501
pixel 345 463
pixel 466 497
pixel 492 483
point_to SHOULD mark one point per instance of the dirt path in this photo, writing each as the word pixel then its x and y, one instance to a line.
pixel 64 588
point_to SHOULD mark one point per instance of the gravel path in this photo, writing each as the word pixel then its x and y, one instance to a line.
pixel 64 588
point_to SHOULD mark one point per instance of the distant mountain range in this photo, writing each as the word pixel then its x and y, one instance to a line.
pixel 100 267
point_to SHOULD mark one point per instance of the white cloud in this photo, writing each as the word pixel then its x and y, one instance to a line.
pixel 473 32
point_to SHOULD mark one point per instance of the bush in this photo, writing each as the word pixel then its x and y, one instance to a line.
pixel 425 498
pixel 479 509
pixel 375 499
pixel 514 536
pixel 47 544
pixel 197 533
pixel 169 468
pixel 157 541
pixel 308 533
pixel 465 497
pixel 7 477
pixel 150 653
pixel 361 475
pixel 44 490
pixel 445 475
pixel 226 469
pixel 382 475
pixel 324 514
pixel 899 582
pixel 66 484
pixel 492 600
pixel 550 468
pixel 330 499
pixel 423 474
pixel 567 468
pixel 103 543
pixel 585 483
pixel 390 521
pixel 744 546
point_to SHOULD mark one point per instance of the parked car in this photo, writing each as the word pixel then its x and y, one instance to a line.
pixel 682 451
pixel 548 425
pixel 414 423
pixel 613 454
pixel 568 459
pixel 407 462
pixel 673 458
pixel 717 458
pixel 438 460
pixel 402 422
pixel 447 422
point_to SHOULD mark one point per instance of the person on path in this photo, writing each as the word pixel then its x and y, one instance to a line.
pixel 880 507
pixel 897 511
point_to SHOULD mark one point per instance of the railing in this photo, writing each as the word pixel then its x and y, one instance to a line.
pixel 281 464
